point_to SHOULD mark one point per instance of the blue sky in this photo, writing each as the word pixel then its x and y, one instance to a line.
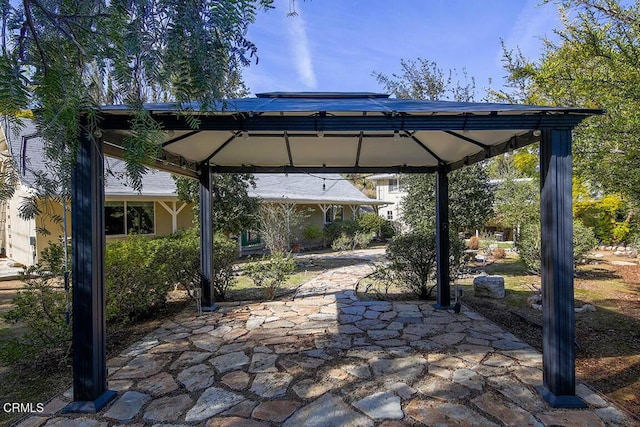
pixel 335 45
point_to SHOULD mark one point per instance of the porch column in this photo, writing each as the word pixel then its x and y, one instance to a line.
pixel 558 333
pixel 90 392
pixel 442 239
pixel 206 239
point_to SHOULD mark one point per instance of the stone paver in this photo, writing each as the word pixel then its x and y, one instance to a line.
pixel 324 358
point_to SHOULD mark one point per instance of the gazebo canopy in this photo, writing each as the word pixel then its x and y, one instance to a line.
pixel 331 132
pixel 337 132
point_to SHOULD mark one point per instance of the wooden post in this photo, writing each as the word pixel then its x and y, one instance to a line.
pixel 442 239
pixel 90 392
pixel 558 333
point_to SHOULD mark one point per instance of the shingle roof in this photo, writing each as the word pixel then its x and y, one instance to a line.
pixel 309 188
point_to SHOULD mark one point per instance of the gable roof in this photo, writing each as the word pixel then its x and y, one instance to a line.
pixel 26 148
pixel 309 188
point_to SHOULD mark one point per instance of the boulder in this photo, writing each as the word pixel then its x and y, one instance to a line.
pixel 489 286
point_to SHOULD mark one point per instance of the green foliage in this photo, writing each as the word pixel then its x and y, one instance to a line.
pixel 313 235
pixel 362 239
pixel 413 260
pixel 278 224
pixel 609 217
pixel 233 209
pixel 517 201
pixel 470 199
pixel 271 272
pixel 370 222
pixel 342 243
pixel 42 308
pixel 337 229
pixel 64 57
pixel 225 254
pixel 529 244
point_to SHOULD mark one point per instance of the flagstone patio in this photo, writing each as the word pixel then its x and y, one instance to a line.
pixel 327 359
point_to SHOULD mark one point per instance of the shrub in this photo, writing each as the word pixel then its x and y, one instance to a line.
pixel 362 239
pixel 278 223
pixel 375 224
pixel 342 243
pixel 313 235
pixel 338 228
pixel 529 244
pixel 474 243
pixel 413 259
pixel 498 253
pixel 42 308
pixel 270 273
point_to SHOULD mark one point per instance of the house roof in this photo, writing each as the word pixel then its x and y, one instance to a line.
pixel 379 176
pixel 309 188
pixel 26 149
pixel 337 132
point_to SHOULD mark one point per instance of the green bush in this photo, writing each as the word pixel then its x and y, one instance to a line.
pixel 362 239
pixel 529 244
pixel 42 307
pixel 336 229
pixel 313 235
pixel 413 260
pixel 225 253
pixel 342 243
pixel 270 273
pixel 375 224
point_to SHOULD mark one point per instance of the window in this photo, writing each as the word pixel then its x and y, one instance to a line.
pixel 395 185
pixel 121 218
pixel 333 213
pixel 390 215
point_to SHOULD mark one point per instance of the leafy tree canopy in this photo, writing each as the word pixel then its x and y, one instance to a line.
pixel 62 58
pixel 594 64
pixel 470 195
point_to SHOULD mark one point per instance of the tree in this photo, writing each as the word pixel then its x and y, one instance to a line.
pixel 470 199
pixel 233 210
pixel 595 64
pixel 62 58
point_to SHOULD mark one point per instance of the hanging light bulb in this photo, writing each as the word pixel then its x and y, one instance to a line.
pixel 320 134
pixel 396 135
pixel 324 186
pixel 245 134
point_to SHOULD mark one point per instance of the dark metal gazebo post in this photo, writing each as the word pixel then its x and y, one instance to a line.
pixel 558 334
pixel 442 239
pixel 206 239
pixel 90 392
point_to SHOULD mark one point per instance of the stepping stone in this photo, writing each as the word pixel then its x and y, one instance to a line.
pixel 237 380
pixel 167 408
pixel 449 339
pixel 403 390
pixel 128 406
pixel 197 377
pixel 433 413
pixel 262 362
pixel 230 362
pixel 190 358
pixel 310 389
pixel 143 366
pixel 213 401
pixel 242 409
pixel 234 422
pixel 613 416
pixel 33 422
pixel 75 422
pixel 468 378
pixel 328 410
pixel 382 334
pixel 271 384
pixel 442 390
pixel 571 418
pixel 381 406
pixel 158 385
pixel 275 410
pixel 406 369
pixel 509 413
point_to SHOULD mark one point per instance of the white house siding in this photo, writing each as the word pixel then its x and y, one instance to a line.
pixel 19 233
pixel 384 192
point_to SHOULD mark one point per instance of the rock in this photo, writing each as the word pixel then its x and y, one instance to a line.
pixel 230 362
pixel 381 406
pixel 167 408
pixel 213 401
pixel 275 410
pixel 197 377
pixel 445 414
pixel 586 307
pixel 271 384
pixel 329 410
pixel 158 385
pixel 489 286
pixel 127 406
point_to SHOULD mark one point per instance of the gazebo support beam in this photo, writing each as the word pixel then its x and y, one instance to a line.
pixel 558 333
pixel 90 392
pixel 206 239
pixel 442 240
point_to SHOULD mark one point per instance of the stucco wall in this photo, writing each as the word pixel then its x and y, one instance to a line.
pixel 19 231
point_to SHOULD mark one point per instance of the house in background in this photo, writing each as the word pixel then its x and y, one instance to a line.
pixel 389 187
pixel 154 211
pixel 322 198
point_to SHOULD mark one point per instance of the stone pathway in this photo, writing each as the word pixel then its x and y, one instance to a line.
pixel 327 359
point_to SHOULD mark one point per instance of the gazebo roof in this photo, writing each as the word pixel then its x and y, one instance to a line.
pixel 338 132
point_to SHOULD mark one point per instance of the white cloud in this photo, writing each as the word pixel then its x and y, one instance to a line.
pixel 297 31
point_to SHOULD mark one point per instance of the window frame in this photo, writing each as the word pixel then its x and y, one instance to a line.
pixel 125 218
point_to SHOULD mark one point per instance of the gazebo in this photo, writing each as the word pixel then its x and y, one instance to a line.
pixel 321 133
